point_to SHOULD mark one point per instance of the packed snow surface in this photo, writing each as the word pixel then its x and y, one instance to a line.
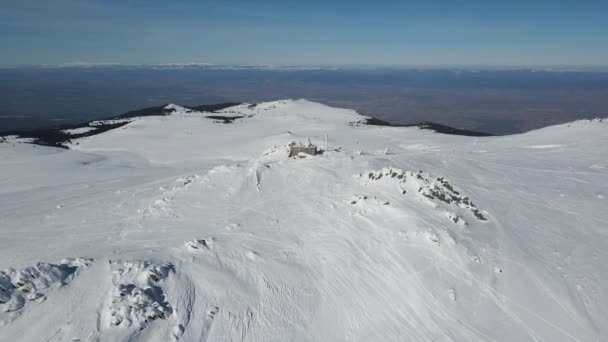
pixel 180 228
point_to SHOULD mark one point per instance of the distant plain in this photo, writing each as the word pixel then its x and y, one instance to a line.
pixel 495 101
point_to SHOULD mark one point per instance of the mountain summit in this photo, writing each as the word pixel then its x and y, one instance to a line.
pixel 195 224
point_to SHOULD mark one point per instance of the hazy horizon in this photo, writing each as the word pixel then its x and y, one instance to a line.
pixel 465 67
pixel 494 101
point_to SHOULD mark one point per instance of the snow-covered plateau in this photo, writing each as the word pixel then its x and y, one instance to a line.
pixel 187 227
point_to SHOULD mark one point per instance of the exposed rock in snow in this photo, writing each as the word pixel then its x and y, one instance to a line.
pixel 93 124
pixel 32 283
pixel 137 297
pixel 436 189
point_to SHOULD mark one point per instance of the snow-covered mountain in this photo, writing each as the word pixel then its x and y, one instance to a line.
pixel 184 228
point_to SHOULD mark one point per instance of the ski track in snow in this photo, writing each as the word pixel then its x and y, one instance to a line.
pixel 221 237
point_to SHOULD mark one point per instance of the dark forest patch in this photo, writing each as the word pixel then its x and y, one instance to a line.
pixel 439 128
pixel 214 107
pixel 150 111
pixel 224 119
pixel 57 136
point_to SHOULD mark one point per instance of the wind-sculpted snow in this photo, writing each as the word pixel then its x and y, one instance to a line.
pixel 17 287
pixel 198 246
pixel 137 297
pixel 437 189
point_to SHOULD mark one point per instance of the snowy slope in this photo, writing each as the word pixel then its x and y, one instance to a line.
pixel 179 228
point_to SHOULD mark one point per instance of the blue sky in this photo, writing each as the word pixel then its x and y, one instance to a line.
pixel 305 32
